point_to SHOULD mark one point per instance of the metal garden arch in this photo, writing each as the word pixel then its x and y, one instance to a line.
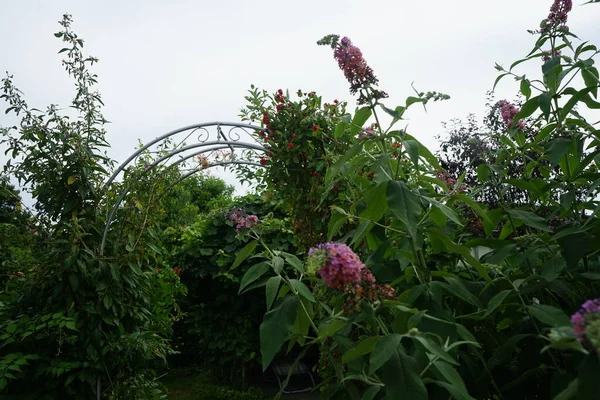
pixel 209 138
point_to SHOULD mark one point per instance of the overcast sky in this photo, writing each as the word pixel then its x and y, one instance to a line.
pixel 167 64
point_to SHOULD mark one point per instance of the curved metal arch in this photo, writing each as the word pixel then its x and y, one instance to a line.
pixel 230 141
pixel 221 137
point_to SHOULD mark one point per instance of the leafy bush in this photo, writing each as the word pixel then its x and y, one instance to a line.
pixel 220 327
pixel 451 312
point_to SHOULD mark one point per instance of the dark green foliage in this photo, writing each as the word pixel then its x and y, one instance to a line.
pixel 220 328
pixel 79 317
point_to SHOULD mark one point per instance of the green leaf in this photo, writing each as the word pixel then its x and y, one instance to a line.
pixel 412 148
pixel 253 273
pixel 302 289
pixel 483 172
pixel 530 219
pixel 459 249
pixel 370 393
pixel 423 150
pixel 361 116
pixel 71 180
pixel 474 206
pixel 448 212
pixel 594 276
pixel 526 88
pixel 569 392
pixel 271 289
pixel 434 348
pixel 293 261
pixel 396 114
pixel 340 129
pixel 545 101
pixel 457 392
pixel 410 100
pixel 383 350
pixel 549 315
pixel 449 373
pixel 527 109
pixel 497 301
pixel 275 328
pixel 401 377
pixel 551 268
pixel 437 216
pixel 366 346
pixel 244 253
pixel 405 205
pixel 330 328
pixel 277 263
pixel 557 148
pixel 376 203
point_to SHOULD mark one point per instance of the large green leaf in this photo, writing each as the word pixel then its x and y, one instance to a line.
pixel 401 377
pixel 302 289
pixel 497 301
pixel 459 249
pixel 360 117
pixel 434 348
pixel 271 289
pixel 364 347
pixel 530 219
pixel 275 328
pixel 557 148
pixel 549 315
pixel 253 273
pixel 383 350
pixel 376 203
pixel 244 253
pixel 449 373
pixel 457 392
pixel 405 205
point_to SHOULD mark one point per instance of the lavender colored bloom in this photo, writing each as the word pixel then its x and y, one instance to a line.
pixel 559 13
pixel 242 219
pixel 586 323
pixel 341 268
pixel 508 111
pixel 357 72
pixel 549 55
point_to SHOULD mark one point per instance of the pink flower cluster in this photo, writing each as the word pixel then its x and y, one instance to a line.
pixel 559 13
pixel 357 72
pixel 242 219
pixel 549 55
pixel 340 268
pixel 450 181
pixel 508 111
pixel 586 323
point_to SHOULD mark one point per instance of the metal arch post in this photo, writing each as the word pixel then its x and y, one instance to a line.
pixel 160 160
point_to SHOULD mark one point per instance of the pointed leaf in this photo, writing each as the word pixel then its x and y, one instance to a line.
pixel 244 253
pixel 275 328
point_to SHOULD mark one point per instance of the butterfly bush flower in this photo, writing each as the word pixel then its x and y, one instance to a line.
pixel 586 323
pixel 242 219
pixel 508 111
pixel 355 68
pixel 559 13
pixel 341 267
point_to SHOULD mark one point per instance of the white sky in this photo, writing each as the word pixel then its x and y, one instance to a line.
pixel 167 64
